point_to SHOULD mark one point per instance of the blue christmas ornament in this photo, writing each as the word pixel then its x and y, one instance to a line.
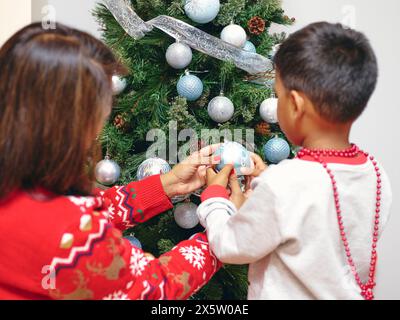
pixel 134 241
pixel 233 153
pixel 202 11
pixel 250 47
pixel 276 150
pixel 190 87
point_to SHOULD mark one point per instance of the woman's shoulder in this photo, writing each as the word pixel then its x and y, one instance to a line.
pixel 52 218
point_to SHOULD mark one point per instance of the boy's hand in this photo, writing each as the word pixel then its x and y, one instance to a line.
pixel 257 166
pixel 237 196
pixel 227 177
pixel 221 178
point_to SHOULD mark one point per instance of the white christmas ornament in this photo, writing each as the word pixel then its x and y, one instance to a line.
pixel 269 110
pixel 179 55
pixel 221 109
pixel 233 153
pixel 185 215
pixel 107 172
pixel 118 84
pixel 235 35
pixel 202 11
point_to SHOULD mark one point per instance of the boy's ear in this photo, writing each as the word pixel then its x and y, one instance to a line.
pixel 298 103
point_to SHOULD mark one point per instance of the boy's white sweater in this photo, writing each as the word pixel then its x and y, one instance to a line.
pixel 288 230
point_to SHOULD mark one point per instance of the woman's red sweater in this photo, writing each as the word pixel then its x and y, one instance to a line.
pixel 60 247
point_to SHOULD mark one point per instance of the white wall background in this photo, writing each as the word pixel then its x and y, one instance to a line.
pixel 376 131
pixel 76 13
pixel 14 14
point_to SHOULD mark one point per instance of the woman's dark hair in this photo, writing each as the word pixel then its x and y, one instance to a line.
pixel 333 66
pixel 55 93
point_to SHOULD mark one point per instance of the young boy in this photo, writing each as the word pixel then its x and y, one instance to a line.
pixel 309 230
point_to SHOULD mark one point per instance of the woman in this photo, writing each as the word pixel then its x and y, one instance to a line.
pixel 58 240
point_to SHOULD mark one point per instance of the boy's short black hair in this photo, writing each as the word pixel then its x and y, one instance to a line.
pixel 333 66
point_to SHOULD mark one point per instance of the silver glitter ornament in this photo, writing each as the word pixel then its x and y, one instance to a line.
pixel 221 109
pixel 107 172
pixel 134 241
pixel 190 87
pixel 276 150
pixel 234 35
pixel 233 153
pixel 118 84
pixel 185 215
pixel 153 166
pixel 179 55
pixel 269 110
pixel 202 11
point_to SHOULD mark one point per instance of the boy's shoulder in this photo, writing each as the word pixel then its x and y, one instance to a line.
pixel 291 175
pixel 293 169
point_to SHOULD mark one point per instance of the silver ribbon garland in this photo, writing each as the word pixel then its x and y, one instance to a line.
pixel 197 39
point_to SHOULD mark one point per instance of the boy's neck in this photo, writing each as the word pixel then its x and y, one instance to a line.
pixel 336 138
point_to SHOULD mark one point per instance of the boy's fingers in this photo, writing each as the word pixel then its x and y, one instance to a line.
pixel 210 174
pixel 223 176
pixel 226 171
pixel 234 184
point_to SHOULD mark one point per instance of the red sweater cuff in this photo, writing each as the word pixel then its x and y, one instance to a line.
pixel 214 191
pixel 153 199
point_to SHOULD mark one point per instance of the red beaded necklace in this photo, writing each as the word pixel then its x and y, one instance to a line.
pixel 352 152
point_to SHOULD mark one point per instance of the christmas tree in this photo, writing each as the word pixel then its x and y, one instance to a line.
pixel 149 99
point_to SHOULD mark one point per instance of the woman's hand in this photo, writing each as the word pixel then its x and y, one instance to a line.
pixel 190 174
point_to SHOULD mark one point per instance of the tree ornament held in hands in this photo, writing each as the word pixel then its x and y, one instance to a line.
pixel 233 153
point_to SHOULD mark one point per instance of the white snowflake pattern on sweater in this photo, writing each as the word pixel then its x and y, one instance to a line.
pixel 117 295
pixel 138 262
pixel 194 255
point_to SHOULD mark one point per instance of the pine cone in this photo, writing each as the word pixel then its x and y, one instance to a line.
pixel 256 25
pixel 263 129
pixel 119 121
